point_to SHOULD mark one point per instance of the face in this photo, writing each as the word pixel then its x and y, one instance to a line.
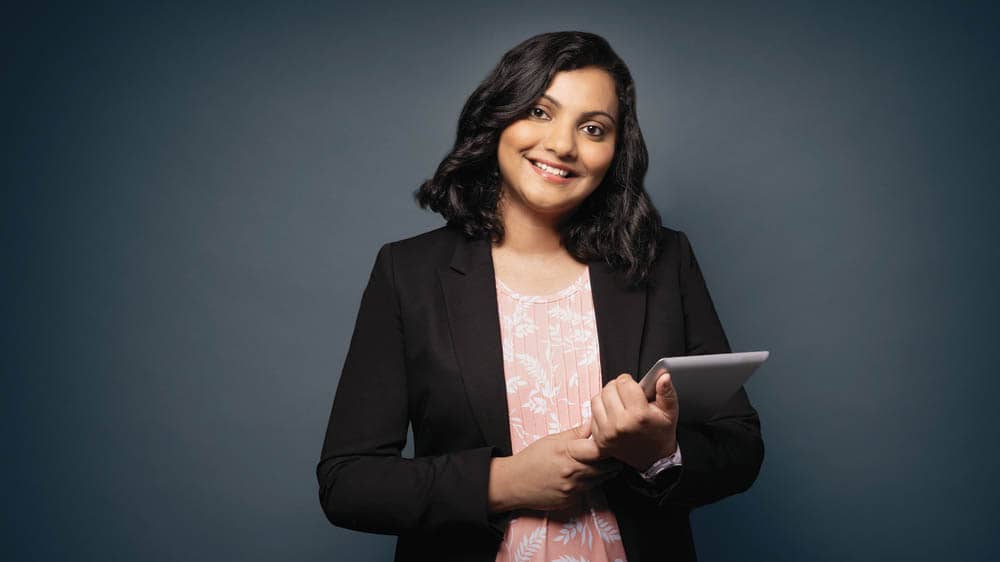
pixel 573 127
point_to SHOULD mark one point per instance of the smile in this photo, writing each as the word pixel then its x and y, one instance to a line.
pixel 553 175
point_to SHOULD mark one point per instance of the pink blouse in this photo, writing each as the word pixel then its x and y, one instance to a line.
pixel 552 368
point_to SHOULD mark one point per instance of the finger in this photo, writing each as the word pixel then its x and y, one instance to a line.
pixel 575 432
pixel 598 417
pixel 666 396
pixel 604 464
pixel 632 395
pixel 613 406
pixel 583 451
pixel 597 470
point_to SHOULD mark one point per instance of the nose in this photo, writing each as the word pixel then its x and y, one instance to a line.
pixel 560 140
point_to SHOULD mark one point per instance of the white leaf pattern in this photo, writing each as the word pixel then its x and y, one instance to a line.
pixel 525 329
pixel 568 531
pixel 519 432
pixel 534 368
pixel 605 529
pixel 560 313
pixel 529 545
pixel 573 528
pixel 513 382
pixel 554 425
pixel 536 404
pixel 588 358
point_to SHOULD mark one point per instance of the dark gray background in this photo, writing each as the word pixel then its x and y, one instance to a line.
pixel 193 198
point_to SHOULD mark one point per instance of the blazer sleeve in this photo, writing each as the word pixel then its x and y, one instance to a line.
pixel 723 456
pixel 364 482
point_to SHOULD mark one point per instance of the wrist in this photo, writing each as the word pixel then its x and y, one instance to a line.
pixel 668 451
pixel 500 495
pixel 652 473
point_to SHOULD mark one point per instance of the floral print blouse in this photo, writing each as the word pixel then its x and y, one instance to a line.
pixel 552 368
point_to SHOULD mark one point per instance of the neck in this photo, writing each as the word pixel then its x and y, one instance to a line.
pixel 529 234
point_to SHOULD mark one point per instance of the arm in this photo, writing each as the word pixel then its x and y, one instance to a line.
pixel 364 483
pixel 723 456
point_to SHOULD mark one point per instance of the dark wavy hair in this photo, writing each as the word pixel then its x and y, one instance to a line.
pixel 617 223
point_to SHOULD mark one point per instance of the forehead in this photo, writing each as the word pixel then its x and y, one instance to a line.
pixel 585 89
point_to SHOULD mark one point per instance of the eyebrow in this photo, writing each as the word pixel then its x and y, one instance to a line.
pixel 586 114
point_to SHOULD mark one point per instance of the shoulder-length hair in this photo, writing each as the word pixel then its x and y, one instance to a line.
pixel 617 223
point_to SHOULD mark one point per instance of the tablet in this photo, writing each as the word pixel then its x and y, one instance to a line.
pixel 703 382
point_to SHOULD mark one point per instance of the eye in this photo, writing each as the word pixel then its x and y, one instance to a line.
pixel 599 130
pixel 537 111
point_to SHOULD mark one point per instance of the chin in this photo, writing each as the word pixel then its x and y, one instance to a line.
pixel 550 207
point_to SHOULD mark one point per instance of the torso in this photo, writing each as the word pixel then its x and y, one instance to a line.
pixel 531 276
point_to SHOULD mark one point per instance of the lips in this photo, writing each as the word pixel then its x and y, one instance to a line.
pixel 549 177
pixel 569 171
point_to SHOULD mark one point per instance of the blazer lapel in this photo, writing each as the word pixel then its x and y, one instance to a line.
pixel 469 285
pixel 470 296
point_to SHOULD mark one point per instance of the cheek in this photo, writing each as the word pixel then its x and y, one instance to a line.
pixel 518 136
pixel 598 159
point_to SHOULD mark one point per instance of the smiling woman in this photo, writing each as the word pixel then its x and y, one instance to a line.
pixel 512 339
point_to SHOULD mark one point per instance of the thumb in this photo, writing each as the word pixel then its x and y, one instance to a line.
pixel 581 431
pixel 583 450
pixel 666 396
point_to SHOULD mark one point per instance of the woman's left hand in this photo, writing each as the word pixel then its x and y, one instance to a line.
pixel 628 427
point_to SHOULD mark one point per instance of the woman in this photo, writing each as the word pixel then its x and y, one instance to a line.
pixel 513 337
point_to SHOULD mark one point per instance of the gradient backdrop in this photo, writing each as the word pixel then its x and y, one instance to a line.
pixel 193 198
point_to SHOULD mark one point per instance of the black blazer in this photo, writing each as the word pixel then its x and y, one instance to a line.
pixel 426 350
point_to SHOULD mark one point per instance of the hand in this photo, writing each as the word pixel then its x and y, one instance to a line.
pixel 628 427
pixel 556 471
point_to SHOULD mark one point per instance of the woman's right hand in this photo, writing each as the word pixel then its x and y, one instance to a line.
pixel 551 474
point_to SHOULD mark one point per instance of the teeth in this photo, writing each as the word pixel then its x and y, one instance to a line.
pixel 550 169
